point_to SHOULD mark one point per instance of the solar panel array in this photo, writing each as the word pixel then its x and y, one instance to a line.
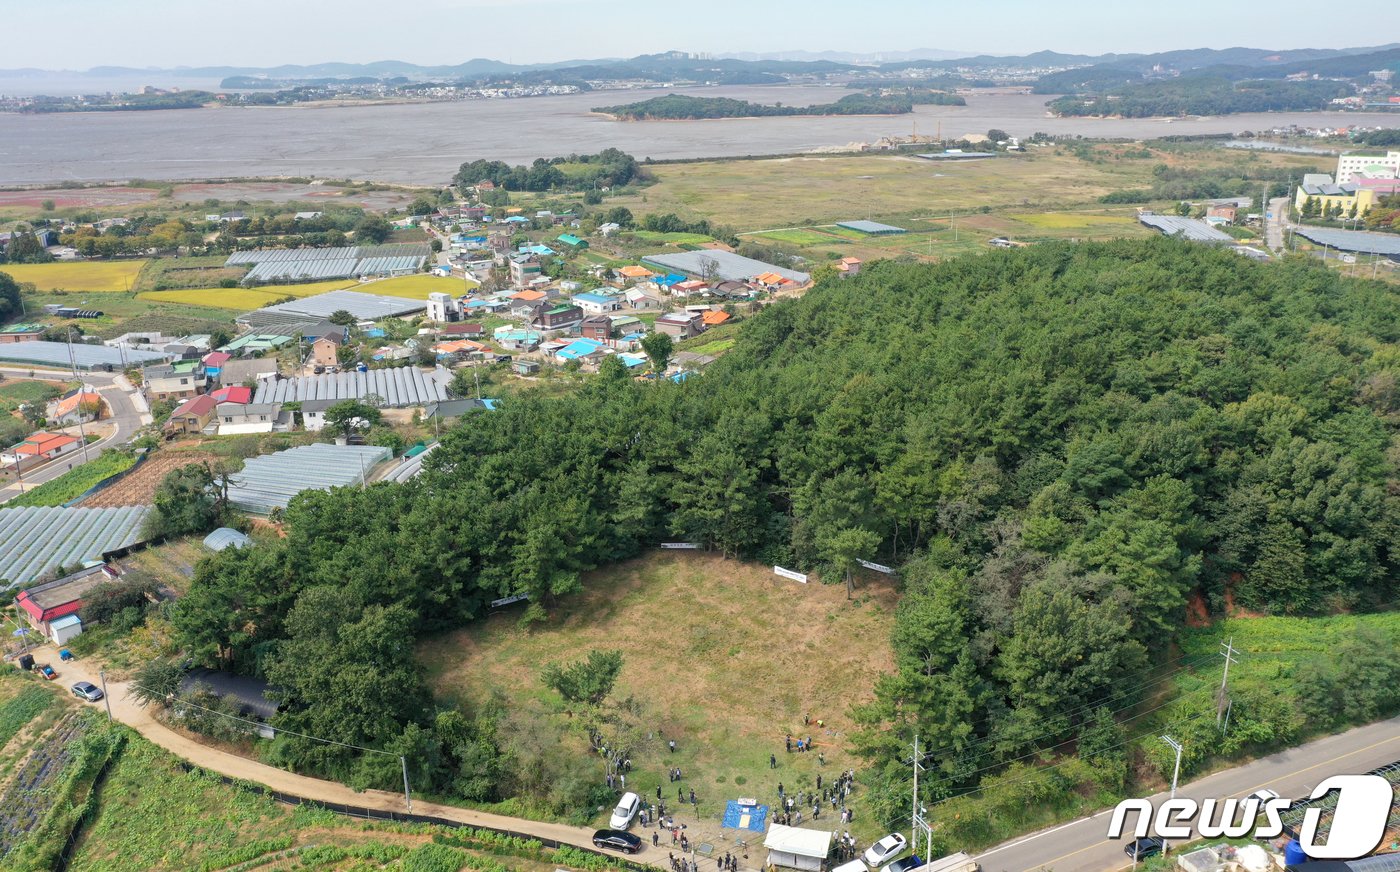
pixel 397 387
pixel 1186 228
pixel 35 540
pixel 1352 240
pixel 306 264
pixel 270 481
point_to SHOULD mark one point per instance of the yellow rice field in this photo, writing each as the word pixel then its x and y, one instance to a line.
pixel 83 275
pixel 415 287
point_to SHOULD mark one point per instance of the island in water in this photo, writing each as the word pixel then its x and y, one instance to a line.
pixel 675 107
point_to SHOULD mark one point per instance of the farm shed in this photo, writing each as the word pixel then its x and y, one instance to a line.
pixel 45 605
pixel 797 848
pixel 1187 228
pixel 84 356
pixel 714 264
pixel 397 387
pixel 35 540
pixel 303 314
pixel 269 482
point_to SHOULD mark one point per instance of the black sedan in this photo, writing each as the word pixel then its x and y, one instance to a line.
pixel 1141 849
pixel 617 840
pixel 905 864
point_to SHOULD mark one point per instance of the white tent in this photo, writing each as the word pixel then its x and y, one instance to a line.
pixel 797 848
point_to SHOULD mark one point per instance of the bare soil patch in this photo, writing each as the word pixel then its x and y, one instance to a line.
pixel 139 487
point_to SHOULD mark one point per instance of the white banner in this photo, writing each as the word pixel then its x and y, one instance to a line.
pixel 878 567
pixel 509 600
pixel 788 573
pixel 680 546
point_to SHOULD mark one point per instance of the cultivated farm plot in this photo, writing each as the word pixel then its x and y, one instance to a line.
pixel 242 299
pixel 29 795
pixel 83 275
pixel 416 287
pixel 139 487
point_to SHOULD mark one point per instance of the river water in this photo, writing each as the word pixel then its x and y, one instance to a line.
pixel 424 143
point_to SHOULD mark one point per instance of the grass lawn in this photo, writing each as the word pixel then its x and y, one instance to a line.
pixel 723 657
pixel 14 394
pixel 72 484
pixel 83 275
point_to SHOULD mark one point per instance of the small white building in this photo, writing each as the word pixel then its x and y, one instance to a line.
pixel 797 848
pixel 444 308
pixel 65 628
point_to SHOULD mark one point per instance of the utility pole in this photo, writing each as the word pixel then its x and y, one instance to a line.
pixel 1176 746
pixel 102 676
pixel 407 797
pixel 918 823
pixel 1228 651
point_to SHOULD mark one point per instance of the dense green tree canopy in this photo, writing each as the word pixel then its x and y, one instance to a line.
pixel 1060 445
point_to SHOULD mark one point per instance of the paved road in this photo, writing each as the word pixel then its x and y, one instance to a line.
pixel 1277 223
pixel 128 414
pixel 1081 846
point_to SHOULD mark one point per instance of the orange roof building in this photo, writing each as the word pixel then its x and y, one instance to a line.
pixel 771 278
pixel 715 317
pixel 89 401
pixel 41 445
pixel 635 272
pixel 529 296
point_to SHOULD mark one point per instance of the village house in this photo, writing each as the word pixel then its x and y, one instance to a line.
pixel 52 608
pixel 597 328
pixel 39 447
pixel 191 416
pixel 325 350
pixel 848 266
pixel 558 318
pixel 174 381
pixel 681 325
pixel 83 404
pixel 524 268
pixel 237 418
pixel 595 303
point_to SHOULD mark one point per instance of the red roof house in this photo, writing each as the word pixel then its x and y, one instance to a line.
pixel 233 394
pixel 55 599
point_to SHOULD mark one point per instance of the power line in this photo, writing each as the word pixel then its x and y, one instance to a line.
pixel 1084 709
pixel 1042 770
pixel 403 759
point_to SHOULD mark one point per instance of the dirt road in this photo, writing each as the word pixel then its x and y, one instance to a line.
pixel 125 709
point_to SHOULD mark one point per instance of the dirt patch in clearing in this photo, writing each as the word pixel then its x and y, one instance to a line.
pixel 138 488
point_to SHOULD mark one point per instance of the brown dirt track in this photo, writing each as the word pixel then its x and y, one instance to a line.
pixel 139 487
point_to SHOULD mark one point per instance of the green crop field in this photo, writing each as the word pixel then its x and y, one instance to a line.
pixel 14 394
pixel 671 238
pixel 801 237
pixel 1071 220
pixel 73 483
pixel 153 814
pixel 85 275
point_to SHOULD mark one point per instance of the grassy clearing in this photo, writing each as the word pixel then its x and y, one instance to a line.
pixel 754 195
pixel 724 657
pixel 14 394
pixel 72 484
pixel 85 275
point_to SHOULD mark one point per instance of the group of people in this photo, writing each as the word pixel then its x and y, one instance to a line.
pixel 675 776
pixel 727 863
pixel 845 846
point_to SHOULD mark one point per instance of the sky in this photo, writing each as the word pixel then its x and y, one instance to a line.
pixel 80 34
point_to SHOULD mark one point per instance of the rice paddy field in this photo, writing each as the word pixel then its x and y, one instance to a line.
pixel 86 275
pixel 243 299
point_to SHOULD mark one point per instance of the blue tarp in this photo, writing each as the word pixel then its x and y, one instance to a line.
pixel 734 817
